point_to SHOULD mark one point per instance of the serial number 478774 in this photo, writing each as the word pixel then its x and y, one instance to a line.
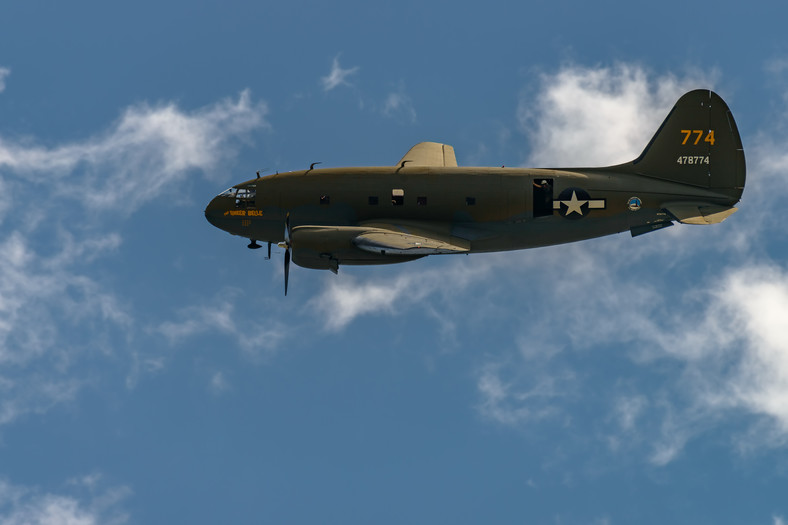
pixel 693 159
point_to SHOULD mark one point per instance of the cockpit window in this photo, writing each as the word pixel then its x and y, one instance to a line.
pixel 244 197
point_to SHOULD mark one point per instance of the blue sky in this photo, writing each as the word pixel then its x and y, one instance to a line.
pixel 152 372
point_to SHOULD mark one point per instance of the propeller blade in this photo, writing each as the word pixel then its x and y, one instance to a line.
pixel 287 267
pixel 287 250
pixel 287 229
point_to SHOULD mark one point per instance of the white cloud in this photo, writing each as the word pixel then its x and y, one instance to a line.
pixel 522 399
pixel 698 310
pixel 199 320
pixel 346 298
pixel 714 352
pixel 337 76
pixel 767 164
pixel 598 116
pixel 36 393
pixel 747 318
pixel 398 105
pixel 728 334
pixel 219 383
pixel 629 409
pixel 55 310
pixel 25 505
pixel 143 365
pixel 41 298
pixel 4 72
pixel 343 300
pixel 147 150
pixel 776 66
pixel 35 288
pixel 257 339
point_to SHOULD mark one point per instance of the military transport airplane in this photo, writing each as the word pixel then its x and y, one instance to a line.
pixel 692 171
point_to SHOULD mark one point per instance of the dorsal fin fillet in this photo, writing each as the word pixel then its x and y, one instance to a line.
pixel 429 154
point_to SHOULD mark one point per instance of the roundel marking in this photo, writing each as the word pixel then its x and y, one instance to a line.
pixel 574 203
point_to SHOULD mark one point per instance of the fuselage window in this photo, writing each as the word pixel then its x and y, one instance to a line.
pixel 397 197
pixel 543 197
pixel 470 201
pixel 325 200
pixel 373 200
pixel 421 201
pixel 244 197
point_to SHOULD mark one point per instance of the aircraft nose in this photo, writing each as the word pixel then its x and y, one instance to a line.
pixel 214 212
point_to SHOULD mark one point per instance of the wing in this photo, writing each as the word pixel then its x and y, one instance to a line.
pixel 386 242
pixel 410 237
pixel 430 154
pixel 373 243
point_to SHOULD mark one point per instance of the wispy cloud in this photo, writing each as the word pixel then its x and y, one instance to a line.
pixel 524 399
pixel 722 344
pixel 35 393
pixel 583 116
pixel 142 366
pixel 776 66
pixel 258 339
pixel 338 76
pixel 705 304
pixel 629 409
pixel 219 383
pixel 745 326
pixel 344 300
pixel 148 149
pixel 730 350
pixel 41 296
pixel 86 502
pixel 36 288
pixel 398 105
pixel 4 72
pixel 55 309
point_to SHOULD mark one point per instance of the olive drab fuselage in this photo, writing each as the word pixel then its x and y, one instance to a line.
pixel 692 171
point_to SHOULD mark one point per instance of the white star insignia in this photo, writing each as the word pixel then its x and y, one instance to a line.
pixel 574 205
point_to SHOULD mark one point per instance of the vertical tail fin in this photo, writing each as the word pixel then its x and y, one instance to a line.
pixel 697 144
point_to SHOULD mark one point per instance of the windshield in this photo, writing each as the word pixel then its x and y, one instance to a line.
pixel 244 197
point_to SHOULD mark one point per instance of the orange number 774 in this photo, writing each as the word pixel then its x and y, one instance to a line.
pixel 698 134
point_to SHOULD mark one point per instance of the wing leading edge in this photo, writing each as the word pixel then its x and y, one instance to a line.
pixel 379 243
pixel 387 242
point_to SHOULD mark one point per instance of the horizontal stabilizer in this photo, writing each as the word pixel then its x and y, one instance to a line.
pixel 699 213
pixel 430 154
